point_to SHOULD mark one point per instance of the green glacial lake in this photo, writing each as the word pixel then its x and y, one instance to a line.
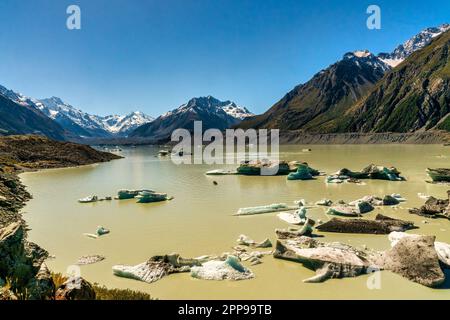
pixel 199 220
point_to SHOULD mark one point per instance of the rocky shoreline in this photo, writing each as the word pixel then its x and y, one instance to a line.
pixel 23 273
pixel 423 137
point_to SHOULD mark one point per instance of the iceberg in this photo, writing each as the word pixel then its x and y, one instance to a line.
pixel 246 241
pixel 298 217
pixel 156 268
pixel 221 172
pixel 230 269
pixel 303 173
pixel 102 231
pixel 125 194
pixel 264 209
pixel 88 199
pixel 150 196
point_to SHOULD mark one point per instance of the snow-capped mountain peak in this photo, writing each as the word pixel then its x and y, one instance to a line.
pixel 360 57
pixel 90 125
pixel 417 42
pixel 209 104
pixel 127 123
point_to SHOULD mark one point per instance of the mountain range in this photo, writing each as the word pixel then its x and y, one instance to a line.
pixel 70 123
pixel 346 96
pixel 87 125
pixel 75 122
pixel 404 91
pixel 212 112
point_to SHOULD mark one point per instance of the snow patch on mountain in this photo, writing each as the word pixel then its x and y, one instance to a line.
pixel 366 57
pixel 210 104
pixel 410 46
pixel 60 111
pixel 125 124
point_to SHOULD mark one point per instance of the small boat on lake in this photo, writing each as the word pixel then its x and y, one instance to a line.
pixel 439 175
pixel 89 199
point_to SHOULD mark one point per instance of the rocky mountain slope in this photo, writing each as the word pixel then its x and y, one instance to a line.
pixel 325 103
pixel 212 112
pixel 21 118
pixel 330 92
pixel 410 46
pixel 414 96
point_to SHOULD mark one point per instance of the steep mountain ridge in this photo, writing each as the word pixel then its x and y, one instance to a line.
pixel 325 104
pixel 20 118
pixel 212 112
pixel 414 96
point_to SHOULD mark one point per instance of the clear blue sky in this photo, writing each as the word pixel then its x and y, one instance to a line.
pixel 154 55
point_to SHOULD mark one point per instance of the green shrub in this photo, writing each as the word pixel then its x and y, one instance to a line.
pixel 104 293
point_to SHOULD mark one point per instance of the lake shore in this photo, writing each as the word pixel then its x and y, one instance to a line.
pixel 19 154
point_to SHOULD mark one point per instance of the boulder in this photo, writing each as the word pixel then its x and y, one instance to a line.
pixel 19 259
pixel 75 288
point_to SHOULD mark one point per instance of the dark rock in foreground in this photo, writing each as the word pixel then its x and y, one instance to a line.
pixel 75 288
pixel 381 225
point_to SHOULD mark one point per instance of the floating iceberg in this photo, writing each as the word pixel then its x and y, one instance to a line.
pixel 88 199
pixel 150 196
pixel 246 241
pixel 221 172
pixel 264 209
pixel 325 203
pixel 303 173
pixel 102 231
pixel 370 172
pixel 298 217
pixel 156 268
pixel 129 194
pixel 85 260
pixel 230 269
